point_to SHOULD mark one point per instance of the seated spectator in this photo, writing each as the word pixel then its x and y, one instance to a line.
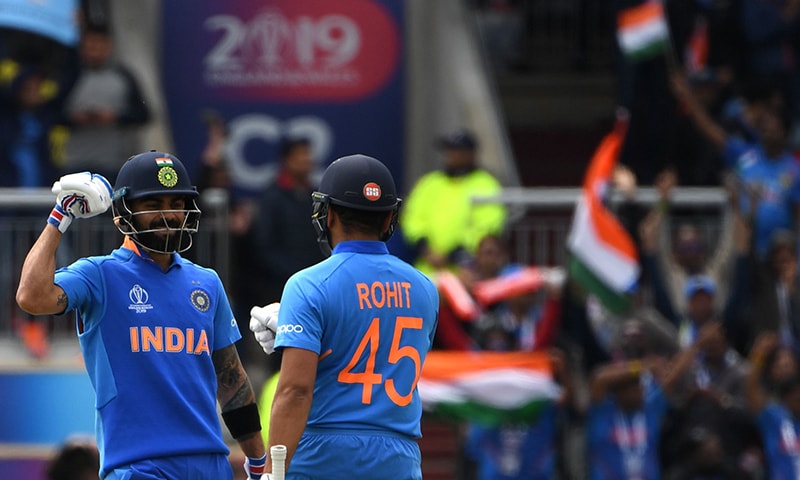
pixel 103 110
pixel 777 417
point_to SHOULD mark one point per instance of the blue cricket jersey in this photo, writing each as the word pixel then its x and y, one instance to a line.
pixel 147 336
pixel 371 317
pixel 619 442
pixel 779 433
pixel 777 179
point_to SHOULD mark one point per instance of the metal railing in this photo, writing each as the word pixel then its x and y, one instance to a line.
pixel 23 213
pixel 541 217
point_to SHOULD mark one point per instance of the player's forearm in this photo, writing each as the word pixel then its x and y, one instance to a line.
pixel 252 445
pixel 288 421
pixel 233 387
pixel 37 293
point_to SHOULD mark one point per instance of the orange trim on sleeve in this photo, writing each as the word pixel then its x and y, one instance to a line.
pixel 325 354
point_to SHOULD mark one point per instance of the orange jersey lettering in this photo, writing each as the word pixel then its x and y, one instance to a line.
pixel 383 295
pixel 168 339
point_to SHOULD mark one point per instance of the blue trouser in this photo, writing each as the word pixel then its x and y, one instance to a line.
pixel 183 467
pixel 349 454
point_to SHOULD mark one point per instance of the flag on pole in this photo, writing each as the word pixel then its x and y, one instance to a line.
pixel 603 255
pixel 491 388
pixel 642 30
pixel 696 54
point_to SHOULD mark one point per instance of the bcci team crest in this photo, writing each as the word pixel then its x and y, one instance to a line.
pixel 200 300
pixel 167 176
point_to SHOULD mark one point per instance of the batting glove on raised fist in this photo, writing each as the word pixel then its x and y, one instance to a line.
pixel 264 324
pixel 79 195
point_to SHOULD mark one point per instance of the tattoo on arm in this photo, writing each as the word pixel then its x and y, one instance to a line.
pixel 62 300
pixel 233 386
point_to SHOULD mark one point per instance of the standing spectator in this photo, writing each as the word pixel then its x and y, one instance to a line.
pixel 712 399
pixel 624 420
pixel 104 108
pixel 777 418
pixel 684 252
pixel 280 241
pixel 156 330
pixel 282 234
pixel 768 27
pixel 531 318
pixel 450 233
pixel 767 171
pixel 354 331
pixel 776 293
pixel 29 115
pixel 523 452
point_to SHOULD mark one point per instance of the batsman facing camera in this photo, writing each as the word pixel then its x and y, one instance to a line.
pixel 152 174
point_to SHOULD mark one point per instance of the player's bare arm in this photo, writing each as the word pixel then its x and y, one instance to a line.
pixel 237 401
pixel 293 397
pixel 78 195
pixel 37 294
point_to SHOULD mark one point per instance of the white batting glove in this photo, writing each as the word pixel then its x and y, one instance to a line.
pixel 79 195
pixel 264 324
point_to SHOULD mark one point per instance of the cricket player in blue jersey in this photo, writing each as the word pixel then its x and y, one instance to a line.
pixel 354 331
pixel 156 330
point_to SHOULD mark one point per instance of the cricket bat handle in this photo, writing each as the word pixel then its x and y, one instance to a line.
pixel 278 455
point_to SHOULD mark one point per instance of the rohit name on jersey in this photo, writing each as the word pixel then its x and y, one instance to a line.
pixel 383 295
pixel 169 339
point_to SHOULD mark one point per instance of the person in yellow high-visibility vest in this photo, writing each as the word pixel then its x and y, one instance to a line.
pixel 439 217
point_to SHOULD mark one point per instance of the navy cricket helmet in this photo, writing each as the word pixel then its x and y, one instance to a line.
pixel 149 174
pixel 359 182
pixel 153 173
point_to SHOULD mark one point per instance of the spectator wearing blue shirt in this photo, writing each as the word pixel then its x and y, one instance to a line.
pixel 768 173
pixel 624 420
pixel 779 418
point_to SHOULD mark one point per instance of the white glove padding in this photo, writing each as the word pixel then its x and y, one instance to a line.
pixel 83 195
pixel 264 324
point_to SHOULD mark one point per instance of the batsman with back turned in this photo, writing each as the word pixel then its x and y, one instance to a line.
pixel 354 331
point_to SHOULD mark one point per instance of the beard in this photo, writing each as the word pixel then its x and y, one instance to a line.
pixel 164 241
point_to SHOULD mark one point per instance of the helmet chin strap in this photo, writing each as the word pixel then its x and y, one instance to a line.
pixel 319 219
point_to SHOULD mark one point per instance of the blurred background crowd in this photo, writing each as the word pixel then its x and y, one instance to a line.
pixel 693 376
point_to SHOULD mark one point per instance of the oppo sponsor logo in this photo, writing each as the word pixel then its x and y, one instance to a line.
pixel 290 329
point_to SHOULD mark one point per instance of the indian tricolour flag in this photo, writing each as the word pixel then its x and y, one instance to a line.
pixel 642 30
pixel 164 162
pixel 603 257
pixel 491 388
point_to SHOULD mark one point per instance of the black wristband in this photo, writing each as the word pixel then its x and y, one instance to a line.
pixel 243 420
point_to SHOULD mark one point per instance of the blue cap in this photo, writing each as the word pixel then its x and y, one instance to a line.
pixel 698 283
